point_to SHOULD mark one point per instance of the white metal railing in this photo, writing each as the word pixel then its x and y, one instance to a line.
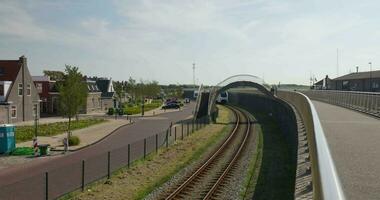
pixel 326 184
pixel 368 102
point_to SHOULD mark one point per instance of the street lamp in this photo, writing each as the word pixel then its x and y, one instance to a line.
pixel 370 76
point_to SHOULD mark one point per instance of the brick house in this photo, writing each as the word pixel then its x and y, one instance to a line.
pixel 19 100
pixel 44 87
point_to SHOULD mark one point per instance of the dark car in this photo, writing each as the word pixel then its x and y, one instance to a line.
pixel 171 106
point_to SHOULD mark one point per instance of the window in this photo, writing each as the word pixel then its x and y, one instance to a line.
pixel 13 111
pixel 1 71
pixel 28 90
pixel 20 89
pixel 1 90
pixel 39 87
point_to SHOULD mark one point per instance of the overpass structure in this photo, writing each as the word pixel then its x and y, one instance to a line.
pixel 351 123
pixel 324 182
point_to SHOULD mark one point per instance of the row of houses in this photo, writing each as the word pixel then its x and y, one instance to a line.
pixel 368 81
pixel 24 97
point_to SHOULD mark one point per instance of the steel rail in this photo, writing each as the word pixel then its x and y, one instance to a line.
pixel 204 166
pixel 232 162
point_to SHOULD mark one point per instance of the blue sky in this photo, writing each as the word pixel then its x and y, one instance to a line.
pixel 283 41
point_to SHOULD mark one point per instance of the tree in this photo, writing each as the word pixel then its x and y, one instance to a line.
pixel 54 75
pixel 72 94
pixel 119 90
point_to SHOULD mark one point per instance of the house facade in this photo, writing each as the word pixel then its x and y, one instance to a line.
pixel 19 99
pixel 44 87
pixel 93 101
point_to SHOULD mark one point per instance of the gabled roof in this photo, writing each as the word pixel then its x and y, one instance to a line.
pixel 9 69
pixel 359 75
pixel 103 85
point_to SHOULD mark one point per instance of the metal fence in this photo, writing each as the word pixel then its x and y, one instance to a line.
pixel 367 102
pixel 326 184
pixel 76 175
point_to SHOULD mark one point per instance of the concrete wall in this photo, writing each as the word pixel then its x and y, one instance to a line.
pixel 93 103
pixel 280 110
pixel 4 112
pixel 106 104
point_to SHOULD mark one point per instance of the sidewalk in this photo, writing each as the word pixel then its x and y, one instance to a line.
pixel 87 136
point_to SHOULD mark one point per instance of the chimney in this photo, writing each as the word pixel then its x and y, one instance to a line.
pixel 357 69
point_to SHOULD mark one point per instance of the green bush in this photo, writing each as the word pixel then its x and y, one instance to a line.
pixel 111 111
pixel 74 140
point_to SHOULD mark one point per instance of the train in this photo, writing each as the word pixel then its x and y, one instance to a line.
pixel 222 98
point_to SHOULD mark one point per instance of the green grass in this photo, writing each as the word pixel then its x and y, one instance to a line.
pixel 136 109
pixel 26 133
pixel 144 176
pixel 253 168
pixel 22 151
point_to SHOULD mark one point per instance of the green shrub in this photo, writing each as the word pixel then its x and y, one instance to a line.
pixel 74 140
pixel 111 111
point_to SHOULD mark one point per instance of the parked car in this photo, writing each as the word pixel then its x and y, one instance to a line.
pixel 171 106
pixel 187 100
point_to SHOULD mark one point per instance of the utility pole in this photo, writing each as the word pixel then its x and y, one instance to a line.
pixel 194 74
pixel 337 62
pixel 370 76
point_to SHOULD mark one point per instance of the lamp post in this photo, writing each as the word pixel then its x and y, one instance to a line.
pixel 36 118
pixel 370 76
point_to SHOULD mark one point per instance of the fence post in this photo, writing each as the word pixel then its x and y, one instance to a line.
pixel 109 165
pixel 156 143
pixel 46 185
pixel 144 148
pixel 167 138
pixel 170 132
pixel 82 175
pixel 192 126
pixel 129 155
pixel 187 130
pixel 175 133
pixel 182 130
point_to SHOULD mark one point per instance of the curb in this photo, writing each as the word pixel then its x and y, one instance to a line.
pixel 101 139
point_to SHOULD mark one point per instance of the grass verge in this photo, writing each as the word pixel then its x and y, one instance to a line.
pixel 26 133
pixel 146 175
pixel 253 168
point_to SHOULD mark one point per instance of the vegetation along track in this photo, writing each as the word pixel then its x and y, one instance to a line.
pixel 206 180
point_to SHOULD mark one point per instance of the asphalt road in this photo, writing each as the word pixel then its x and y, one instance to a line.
pixel 354 141
pixel 143 127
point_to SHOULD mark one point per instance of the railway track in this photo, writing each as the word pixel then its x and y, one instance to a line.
pixel 207 180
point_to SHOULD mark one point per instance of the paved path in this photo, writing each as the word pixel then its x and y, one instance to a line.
pixel 143 127
pixel 354 141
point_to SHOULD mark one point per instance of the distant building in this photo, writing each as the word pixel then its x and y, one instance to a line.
pixel 45 89
pixel 359 81
pixel 108 93
pixel 19 99
pixel 190 93
pixel 324 84
pixel 93 102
